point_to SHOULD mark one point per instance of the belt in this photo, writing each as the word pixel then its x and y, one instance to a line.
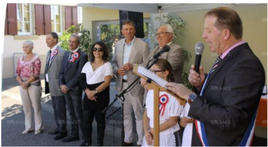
pixel 124 80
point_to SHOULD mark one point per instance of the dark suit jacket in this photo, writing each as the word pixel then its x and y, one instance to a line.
pixel 230 98
pixel 70 72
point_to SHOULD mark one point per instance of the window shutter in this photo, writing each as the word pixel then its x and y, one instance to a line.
pixel 42 19
pixel 74 14
pixel 47 18
pixel 39 19
pixel 68 17
pixel 6 23
pixel 11 19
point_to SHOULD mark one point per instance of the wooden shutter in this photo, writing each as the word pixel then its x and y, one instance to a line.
pixel 42 19
pixel 74 16
pixel 39 20
pixel 11 20
pixel 6 23
pixel 68 17
pixel 47 18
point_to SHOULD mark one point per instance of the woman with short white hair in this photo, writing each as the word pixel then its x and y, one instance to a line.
pixel 27 74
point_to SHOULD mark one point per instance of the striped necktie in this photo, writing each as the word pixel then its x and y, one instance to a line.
pixel 215 65
pixel 48 59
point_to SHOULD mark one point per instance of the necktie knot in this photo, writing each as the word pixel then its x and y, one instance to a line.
pixel 216 63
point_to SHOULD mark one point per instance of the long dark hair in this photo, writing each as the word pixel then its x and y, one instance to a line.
pixel 105 56
pixel 165 65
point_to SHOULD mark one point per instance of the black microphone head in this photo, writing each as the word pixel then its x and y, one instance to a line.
pixel 166 48
pixel 199 47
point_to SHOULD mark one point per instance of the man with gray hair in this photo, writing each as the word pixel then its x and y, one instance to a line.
pixel 174 56
pixel 70 72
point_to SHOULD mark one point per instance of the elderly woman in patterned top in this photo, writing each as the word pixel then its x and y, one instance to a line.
pixel 27 74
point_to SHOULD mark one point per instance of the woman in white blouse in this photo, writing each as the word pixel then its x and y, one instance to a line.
pixel 96 76
pixel 169 110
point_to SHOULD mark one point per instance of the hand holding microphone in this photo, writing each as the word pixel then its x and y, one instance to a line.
pixel 197 76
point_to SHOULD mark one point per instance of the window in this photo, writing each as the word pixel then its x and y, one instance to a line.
pixel 56 19
pixel 24 19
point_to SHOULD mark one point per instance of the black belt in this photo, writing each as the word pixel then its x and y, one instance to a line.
pixel 124 80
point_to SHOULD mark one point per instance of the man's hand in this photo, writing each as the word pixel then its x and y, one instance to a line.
pixel 179 89
pixel 121 71
pixel 197 79
pixel 127 67
pixel 64 88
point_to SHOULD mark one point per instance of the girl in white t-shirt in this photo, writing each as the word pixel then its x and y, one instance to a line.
pixel 169 110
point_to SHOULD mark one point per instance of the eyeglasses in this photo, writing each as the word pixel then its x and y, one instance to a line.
pixel 161 33
pixel 159 70
pixel 97 49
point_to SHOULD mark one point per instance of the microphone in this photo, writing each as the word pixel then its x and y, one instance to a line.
pixel 199 47
pixel 166 48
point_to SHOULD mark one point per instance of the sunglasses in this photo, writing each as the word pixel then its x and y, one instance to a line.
pixel 159 70
pixel 97 49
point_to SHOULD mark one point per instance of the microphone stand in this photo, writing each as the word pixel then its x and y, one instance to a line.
pixel 121 97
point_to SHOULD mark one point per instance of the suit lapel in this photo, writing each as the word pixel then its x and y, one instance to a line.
pixel 227 58
pixel 133 52
pixel 52 59
pixel 217 69
pixel 121 53
pixel 71 63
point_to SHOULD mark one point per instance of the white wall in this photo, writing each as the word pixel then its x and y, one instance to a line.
pixel 13 44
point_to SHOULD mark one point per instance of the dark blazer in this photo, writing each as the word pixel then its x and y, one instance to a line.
pixel 230 99
pixel 70 72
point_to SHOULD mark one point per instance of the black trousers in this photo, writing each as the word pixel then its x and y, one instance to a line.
pixel 58 104
pixel 88 120
pixel 74 105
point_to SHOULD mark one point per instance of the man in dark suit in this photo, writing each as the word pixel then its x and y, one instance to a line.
pixel 224 111
pixel 71 67
pixel 52 70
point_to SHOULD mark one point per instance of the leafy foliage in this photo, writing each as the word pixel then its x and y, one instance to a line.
pixel 110 34
pixel 85 40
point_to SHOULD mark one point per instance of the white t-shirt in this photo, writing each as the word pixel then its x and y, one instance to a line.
pixel 99 74
pixel 171 108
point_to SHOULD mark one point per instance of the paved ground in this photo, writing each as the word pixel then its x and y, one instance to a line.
pixel 13 121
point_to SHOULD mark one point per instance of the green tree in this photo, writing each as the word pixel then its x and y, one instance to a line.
pixel 85 40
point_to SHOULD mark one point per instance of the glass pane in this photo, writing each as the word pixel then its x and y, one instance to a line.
pixel 19 26
pixel 26 16
pixel 57 18
pixel 27 27
pixel 52 26
pixel 58 29
pixel 52 12
pixel 26 7
pixel 19 17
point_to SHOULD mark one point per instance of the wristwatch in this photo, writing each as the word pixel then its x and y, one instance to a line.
pixel 95 90
pixel 192 97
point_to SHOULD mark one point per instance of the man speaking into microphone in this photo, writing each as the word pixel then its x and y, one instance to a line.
pixel 225 104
